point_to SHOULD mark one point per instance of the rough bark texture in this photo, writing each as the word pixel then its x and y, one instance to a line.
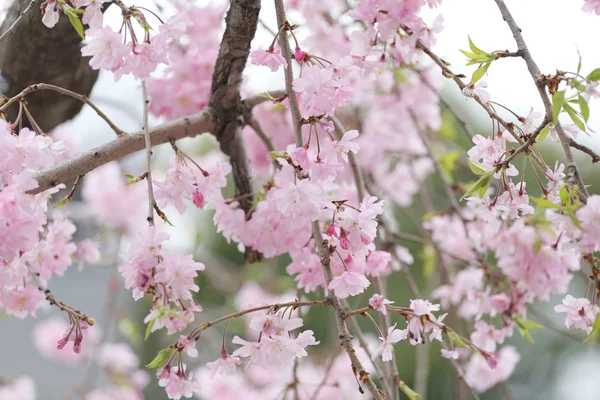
pixel 36 54
pixel 229 110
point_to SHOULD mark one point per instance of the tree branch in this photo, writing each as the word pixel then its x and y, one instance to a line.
pixel 121 147
pixel 573 175
pixel 32 53
pixel 229 110
pixel 77 96
pixel 323 249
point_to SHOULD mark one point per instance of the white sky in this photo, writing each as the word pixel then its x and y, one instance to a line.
pixel 553 29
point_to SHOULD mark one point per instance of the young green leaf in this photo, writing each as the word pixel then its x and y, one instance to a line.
pixel 593 76
pixel 479 72
pixel 480 186
pixel 457 339
pixel 475 49
pixel 595 329
pixel 74 18
pixel 544 203
pixel 149 328
pixel 524 325
pixel 574 117
pixel 161 358
pixel 543 133
pixel 558 99
pixel 584 108
pixel 476 167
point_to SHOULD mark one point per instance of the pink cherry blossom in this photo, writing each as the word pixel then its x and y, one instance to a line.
pixel 51 10
pixel 481 377
pixel 93 12
pixel 269 58
pixel 591 5
pixel 386 347
pixel 581 314
pixel 349 284
pixel 106 48
pixel 378 302
pixel 224 365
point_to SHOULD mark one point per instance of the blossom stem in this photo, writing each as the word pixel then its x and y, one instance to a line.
pixel 66 92
pixel 73 313
pixel 275 307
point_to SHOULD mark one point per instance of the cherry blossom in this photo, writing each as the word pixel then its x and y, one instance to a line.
pixel 580 313
pixel 386 347
pixel 269 58
pixel 378 302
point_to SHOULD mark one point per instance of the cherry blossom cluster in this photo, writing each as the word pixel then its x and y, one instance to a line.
pixel 125 52
pixel 34 247
pixel 321 198
pixel 168 278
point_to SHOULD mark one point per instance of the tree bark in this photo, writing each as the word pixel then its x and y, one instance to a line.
pixel 37 54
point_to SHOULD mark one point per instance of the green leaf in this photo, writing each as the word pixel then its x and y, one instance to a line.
pixel 62 202
pixel 129 176
pixel 544 203
pixel 476 167
pixel 579 63
pixel 584 108
pixel 595 329
pixel 457 339
pixel 477 58
pixel 474 48
pixel 480 186
pixel 543 133
pixel 149 328
pixel 593 76
pixel 161 358
pixel 524 325
pixel 428 255
pixel 74 18
pixel 479 72
pixel 574 117
pixel 558 99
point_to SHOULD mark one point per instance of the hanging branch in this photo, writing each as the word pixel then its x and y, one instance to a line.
pixel 573 175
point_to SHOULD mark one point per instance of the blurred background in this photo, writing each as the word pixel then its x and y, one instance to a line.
pixel 557 366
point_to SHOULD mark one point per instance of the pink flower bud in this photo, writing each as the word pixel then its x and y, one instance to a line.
pixel 299 55
pixel 61 343
pixel 198 199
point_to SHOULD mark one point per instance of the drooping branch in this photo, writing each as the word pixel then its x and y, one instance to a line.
pixel 44 86
pixel 322 247
pixel 32 53
pixel 573 175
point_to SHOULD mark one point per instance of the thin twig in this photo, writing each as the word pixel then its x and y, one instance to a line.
pixel 59 304
pixel 44 86
pixel 323 250
pixel 573 175
pixel 151 201
pixel 274 307
pixel 10 31
pixel 585 149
